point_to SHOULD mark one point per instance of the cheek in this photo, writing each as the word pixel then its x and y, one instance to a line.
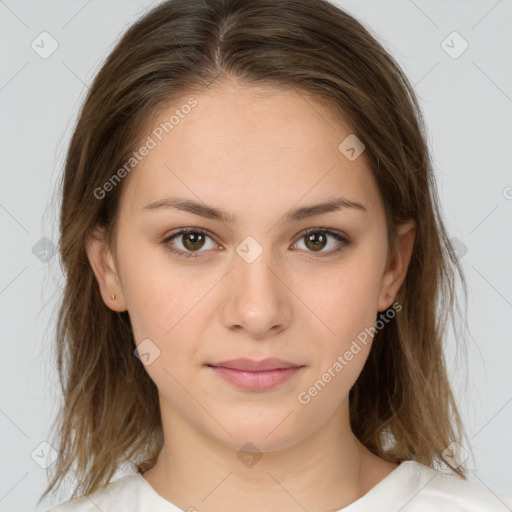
pixel 166 304
pixel 348 302
pixel 347 306
pixel 154 290
pixel 348 311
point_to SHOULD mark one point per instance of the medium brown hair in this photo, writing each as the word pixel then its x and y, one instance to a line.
pixel 401 406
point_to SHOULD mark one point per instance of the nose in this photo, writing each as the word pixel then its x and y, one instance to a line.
pixel 258 300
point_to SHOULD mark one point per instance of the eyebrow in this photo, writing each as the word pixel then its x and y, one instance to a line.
pixel 211 212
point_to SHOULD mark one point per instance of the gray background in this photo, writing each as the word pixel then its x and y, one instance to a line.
pixel 467 102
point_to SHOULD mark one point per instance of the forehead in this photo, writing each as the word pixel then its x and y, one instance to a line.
pixel 253 148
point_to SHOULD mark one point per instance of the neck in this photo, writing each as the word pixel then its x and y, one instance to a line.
pixel 327 470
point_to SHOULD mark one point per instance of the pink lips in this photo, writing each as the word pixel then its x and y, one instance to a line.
pixel 256 375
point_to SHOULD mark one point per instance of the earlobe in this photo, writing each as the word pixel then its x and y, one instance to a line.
pixel 398 263
pixel 103 266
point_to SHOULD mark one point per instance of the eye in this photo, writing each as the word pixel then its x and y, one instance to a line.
pixel 192 240
pixel 317 239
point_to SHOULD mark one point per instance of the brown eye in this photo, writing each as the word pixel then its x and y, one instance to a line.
pixel 315 241
pixel 192 240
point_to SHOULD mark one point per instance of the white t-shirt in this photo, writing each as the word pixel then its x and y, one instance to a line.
pixel 411 487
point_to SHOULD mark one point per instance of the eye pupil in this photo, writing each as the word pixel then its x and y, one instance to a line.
pixel 197 240
pixel 318 240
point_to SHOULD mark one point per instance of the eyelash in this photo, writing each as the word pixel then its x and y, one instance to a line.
pixel 345 242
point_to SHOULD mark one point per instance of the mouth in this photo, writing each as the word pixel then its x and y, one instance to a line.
pixel 254 375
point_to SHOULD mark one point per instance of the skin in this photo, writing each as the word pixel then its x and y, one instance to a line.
pixel 257 153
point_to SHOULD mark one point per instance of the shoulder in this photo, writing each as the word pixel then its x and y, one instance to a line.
pixel 452 493
pixel 121 493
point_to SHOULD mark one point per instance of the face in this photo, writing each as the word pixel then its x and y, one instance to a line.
pixel 260 283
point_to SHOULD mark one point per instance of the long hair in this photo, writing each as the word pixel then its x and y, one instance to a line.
pixel 401 406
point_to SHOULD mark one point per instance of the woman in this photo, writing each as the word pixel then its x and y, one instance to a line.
pixel 258 276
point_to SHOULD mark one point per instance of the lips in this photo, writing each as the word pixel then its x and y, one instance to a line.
pixel 251 365
pixel 256 376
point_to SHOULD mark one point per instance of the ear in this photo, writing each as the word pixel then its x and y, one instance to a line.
pixel 397 264
pixel 103 265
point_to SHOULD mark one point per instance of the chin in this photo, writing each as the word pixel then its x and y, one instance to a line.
pixel 259 436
